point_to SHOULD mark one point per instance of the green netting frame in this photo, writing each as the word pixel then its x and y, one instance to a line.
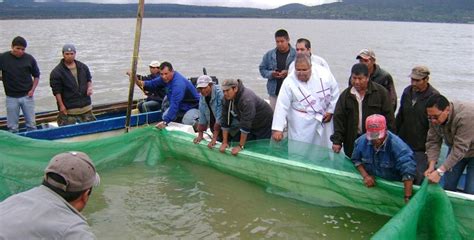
pixel 307 172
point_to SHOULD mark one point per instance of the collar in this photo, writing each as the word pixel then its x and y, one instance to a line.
pixel 73 209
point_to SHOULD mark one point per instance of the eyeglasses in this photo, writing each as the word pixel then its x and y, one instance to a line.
pixel 434 117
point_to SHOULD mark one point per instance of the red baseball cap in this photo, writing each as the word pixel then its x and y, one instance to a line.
pixel 376 127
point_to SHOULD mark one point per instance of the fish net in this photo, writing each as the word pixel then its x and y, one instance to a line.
pixel 292 169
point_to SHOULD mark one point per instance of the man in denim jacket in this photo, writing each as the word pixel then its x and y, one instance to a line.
pixel 381 153
pixel 275 64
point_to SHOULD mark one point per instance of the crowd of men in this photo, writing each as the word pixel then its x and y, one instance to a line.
pixel 306 105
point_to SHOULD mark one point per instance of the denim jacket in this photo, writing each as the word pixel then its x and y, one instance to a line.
pixel 394 161
pixel 217 97
pixel 269 64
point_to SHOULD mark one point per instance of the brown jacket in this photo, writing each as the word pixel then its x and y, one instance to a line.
pixel 457 133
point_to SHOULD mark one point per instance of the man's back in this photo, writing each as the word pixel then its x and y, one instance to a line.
pixel 43 214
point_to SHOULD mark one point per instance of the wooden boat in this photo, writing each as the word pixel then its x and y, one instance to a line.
pixel 101 111
pixel 109 117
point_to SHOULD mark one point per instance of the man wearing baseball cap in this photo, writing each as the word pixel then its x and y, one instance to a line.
pixel 412 121
pixel 71 83
pixel 377 74
pixel 155 97
pixel 52 210
pixel 381 153
pixel 210 109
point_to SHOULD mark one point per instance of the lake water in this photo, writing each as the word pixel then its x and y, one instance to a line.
pixel 181 200
pixel 233 48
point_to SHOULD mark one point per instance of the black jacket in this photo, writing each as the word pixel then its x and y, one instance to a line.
pixel 252 111
pixel 63 82
pixel 384 78
pixel 346 115
pixel 412 122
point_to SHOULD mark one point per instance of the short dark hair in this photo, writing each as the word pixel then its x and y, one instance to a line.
pixel 19 41
pixel 360 68
pixel 164 65
pixel 68 196
pixel 307 43
pixel 282 33
pixel 439 101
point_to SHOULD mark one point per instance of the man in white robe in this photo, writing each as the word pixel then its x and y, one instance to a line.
pixel 306 101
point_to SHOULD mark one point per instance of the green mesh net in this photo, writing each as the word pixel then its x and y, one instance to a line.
pixel 292 169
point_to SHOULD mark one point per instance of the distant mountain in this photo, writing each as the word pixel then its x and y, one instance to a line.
pixel 450 11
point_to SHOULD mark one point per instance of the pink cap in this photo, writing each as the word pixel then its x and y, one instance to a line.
pixel 375 126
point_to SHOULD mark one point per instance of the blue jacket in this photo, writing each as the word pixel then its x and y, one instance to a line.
pixel 269 64
pixel 217 96
pixel 181 93
pixel 394 161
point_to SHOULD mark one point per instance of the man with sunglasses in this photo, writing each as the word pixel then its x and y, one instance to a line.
pixel 412 123
pixel 452 122
pixel 52 210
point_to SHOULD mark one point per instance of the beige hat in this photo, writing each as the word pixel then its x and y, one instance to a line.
pixel 77 170
pixel 154 64
pixel 203 81
pixel 419 72
pixel 366 54
pixel 229 83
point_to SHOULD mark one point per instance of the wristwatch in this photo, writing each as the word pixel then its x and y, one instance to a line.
pixel 440 173
pixel 241 147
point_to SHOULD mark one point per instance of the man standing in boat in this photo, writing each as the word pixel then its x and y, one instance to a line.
pixel 412 122
pixel 154 99
pixel 71 83
pixel 307 101
pixel 355 104
pixel 275 63
pixel 252 112
pixel 52 210
pixel 182 96
pixel 20 75
pixel 381 153
pixel 378 75
pixel 303 45
pixel 452 122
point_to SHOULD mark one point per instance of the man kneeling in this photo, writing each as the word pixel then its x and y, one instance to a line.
pixel 381 153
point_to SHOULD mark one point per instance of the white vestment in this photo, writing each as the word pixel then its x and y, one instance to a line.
pixel 304 104
pixel 315 60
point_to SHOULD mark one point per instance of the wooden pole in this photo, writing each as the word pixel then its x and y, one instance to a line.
pixel 136 47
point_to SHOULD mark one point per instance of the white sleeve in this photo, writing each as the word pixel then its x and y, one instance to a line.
pixel 282 105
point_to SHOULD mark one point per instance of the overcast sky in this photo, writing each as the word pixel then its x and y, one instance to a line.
pixel 226 3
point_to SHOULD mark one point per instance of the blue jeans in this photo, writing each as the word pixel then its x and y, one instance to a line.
pixel 27 106
pixel 149 106
pixel 451 178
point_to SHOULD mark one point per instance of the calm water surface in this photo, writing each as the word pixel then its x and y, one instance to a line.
pixel 181 200
pixel 233 48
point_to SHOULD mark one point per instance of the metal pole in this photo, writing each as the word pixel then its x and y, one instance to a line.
pixel 136 47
